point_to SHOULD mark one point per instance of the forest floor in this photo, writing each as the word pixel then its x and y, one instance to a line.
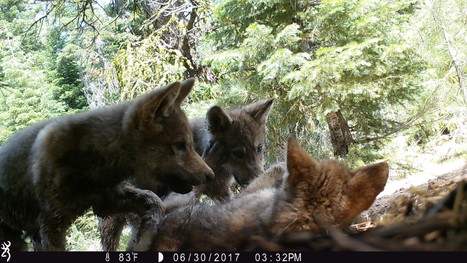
pixel 422 189
pixel 426 211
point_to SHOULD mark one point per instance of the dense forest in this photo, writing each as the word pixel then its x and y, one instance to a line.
pixel 357 80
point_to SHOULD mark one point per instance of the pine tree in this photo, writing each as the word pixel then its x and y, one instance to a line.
pixel 25 91
pixel 319 58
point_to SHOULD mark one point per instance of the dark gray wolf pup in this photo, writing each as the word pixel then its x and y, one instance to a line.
pixel 52 172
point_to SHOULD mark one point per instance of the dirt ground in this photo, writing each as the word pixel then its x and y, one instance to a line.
pixel 422 190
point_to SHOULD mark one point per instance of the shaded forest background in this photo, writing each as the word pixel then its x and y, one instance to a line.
pixel 357 80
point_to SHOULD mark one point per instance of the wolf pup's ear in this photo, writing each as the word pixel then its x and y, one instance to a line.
pixel 259 111
pixel 219 121
pixel 300 164
pixel 186 87
pixel 168 101
pixel 367 182
pixel 151 106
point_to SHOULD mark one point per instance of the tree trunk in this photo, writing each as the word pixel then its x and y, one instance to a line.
pixel 454 58
pixel 186 50
pixel 160 13
pixel 341 138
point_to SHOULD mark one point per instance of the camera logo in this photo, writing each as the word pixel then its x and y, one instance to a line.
pixel 6 250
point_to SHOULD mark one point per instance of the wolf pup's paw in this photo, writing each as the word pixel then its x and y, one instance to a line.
pixel 147 232
pixel 276 172
pixel 271 178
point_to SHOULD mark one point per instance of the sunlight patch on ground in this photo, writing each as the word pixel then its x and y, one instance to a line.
pixel 430 171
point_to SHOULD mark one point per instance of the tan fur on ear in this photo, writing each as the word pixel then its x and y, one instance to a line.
pixel 299 162
pixel 367 182
pixel 259 111
pixel 152 105
pixel 186 87
pixel 218 119
pixel 167 104
pixel 159 101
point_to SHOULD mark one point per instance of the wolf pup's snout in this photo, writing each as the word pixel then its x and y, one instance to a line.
pixel 244 176
pixel 210 177
pixel 207 175
pixel 202 172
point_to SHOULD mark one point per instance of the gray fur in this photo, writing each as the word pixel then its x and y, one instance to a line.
pixel 52 172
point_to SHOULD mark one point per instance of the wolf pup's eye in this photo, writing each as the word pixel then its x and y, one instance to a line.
pixel 238 153
pixel 260 148
pixel 180 146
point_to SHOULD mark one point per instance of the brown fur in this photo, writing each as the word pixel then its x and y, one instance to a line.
pixel 315 194
pixel 230 141
pixel 52 172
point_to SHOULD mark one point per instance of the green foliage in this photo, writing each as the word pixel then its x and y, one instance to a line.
pixel 65 71
pixel 25 90
pixel 339 55
pixel 11 9
pixel 233 17
pixel 395 69
pixel 438 29
pixel 83 234
pixel 70 87
pixel 147 65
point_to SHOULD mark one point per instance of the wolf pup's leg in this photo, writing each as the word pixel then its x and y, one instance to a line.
pixel 144 203
pixel 36 241
pixel 110 229
pixel 55 216
pixel 14 236
pixel 53 230
pixel 219 189
pixel 134 221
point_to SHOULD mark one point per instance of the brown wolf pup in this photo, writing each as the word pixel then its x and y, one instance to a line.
pixel 314 194
pixel 52 172
pixel 231 142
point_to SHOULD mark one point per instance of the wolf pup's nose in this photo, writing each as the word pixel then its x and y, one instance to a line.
pixel 210 177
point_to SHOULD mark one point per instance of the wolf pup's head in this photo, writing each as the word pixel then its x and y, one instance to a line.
pixel 161 141
pixel 323 193
pixel 242 132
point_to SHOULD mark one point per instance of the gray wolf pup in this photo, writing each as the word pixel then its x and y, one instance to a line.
pixel 314 195
pixel 52 172
pixel 237 138
pixel 231 143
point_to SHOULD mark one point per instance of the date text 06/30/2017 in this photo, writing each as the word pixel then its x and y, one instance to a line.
pixel 236 257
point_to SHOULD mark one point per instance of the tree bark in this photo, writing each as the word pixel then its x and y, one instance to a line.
pixel 341 138
pixel 186 50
